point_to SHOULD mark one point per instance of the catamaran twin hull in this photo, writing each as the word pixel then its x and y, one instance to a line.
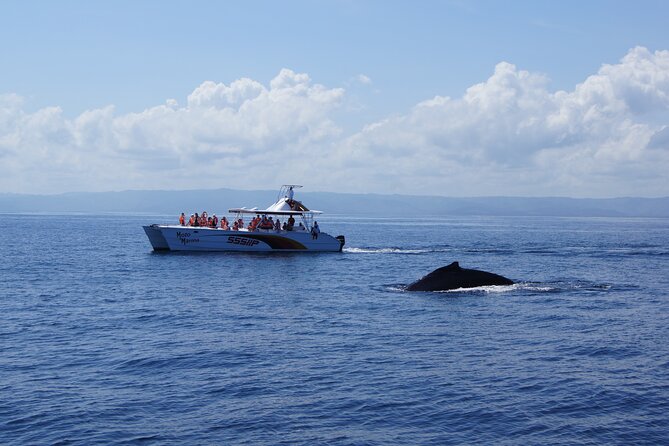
pixel 192 238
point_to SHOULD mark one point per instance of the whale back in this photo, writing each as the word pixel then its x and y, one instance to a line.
pixel 451 277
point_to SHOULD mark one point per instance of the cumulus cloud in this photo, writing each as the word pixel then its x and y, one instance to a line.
pixel 507 135
pixel 242 134
pixel 211 94
pixel 511 135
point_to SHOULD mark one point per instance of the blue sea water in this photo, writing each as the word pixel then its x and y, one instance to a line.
pixel 103 341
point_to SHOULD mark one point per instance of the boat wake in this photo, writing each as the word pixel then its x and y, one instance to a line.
pixel 392 250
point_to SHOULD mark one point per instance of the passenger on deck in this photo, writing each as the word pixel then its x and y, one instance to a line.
pixel 291 223
pixel 214 221
pixel 277 225
pixel 224 224
pixel 235 226
pixel 191 221
pixel 290 200
pixel 301 227
pixel 254 223
pixel 182 219
pixel 265 223
pixel 315 231
pixel 210 223
pixel 196 220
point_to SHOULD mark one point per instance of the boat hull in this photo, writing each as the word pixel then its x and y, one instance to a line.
pixel 188 238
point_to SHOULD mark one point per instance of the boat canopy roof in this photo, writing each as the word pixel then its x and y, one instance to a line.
pixel 281 207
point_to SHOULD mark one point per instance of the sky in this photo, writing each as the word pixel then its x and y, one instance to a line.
pixel 449 98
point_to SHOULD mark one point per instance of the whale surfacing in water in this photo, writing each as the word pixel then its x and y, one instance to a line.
pixel 452 277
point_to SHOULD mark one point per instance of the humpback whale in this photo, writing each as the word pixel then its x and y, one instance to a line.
pixel 452 277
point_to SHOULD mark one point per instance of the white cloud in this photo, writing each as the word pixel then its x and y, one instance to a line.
pixel 239 135
pixel 211 94
pixel 363 79
pixel 511 135
pixel 508 135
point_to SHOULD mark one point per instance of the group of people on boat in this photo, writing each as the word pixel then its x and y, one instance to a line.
pixel 256 223
pixel 202 220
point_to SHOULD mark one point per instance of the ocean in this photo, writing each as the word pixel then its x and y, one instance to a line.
pixel 103 341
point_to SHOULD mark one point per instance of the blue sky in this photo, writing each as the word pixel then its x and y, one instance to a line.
pixel 64 62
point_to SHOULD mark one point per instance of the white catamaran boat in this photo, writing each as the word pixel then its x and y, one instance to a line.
pixel 305 236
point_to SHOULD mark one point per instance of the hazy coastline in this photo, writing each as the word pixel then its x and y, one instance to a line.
pixel 219 200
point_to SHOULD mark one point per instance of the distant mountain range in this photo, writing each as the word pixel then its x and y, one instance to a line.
pixel 219 200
